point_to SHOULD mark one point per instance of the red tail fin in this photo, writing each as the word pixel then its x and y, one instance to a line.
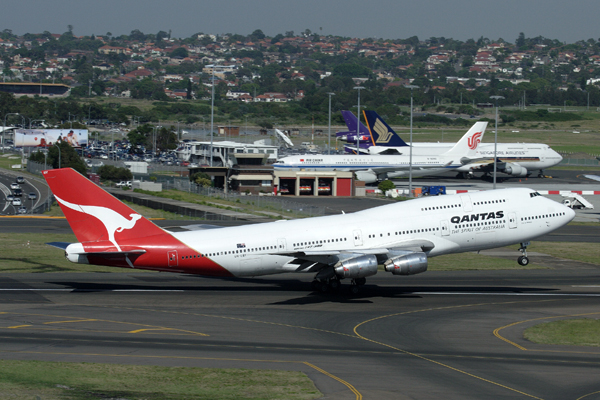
pixel 94 214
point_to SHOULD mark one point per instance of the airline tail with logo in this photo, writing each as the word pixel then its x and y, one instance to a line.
pixel 381 133
pixel 109 232
pixel 467 145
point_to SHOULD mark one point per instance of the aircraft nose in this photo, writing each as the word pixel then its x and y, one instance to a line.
pixel 570 213
pixel 560 158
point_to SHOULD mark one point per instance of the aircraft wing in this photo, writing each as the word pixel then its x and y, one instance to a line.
pixel 381 170
pixel 331 257
pixel 593 177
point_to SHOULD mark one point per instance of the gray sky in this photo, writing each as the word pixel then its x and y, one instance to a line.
pixel 567 21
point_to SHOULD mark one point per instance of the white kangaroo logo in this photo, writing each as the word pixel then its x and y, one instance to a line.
pixel 112 220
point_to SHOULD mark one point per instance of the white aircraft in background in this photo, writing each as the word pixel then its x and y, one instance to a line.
pixel 401 236
pixel 373 168
pixel 514 159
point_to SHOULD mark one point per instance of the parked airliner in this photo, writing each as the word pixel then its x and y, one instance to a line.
pixel 374 168
pixel 400 236
pixel 514 159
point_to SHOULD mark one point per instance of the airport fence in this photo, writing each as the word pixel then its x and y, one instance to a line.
pixel 580 162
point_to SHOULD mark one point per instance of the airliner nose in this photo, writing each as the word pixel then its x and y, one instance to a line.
pixel 570 213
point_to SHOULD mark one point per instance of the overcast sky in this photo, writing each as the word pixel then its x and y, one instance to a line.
pixel 567 21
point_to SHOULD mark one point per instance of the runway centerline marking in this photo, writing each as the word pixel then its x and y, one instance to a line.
pixel 146 326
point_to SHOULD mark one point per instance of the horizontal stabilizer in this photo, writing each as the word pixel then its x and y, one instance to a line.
pixel 60 245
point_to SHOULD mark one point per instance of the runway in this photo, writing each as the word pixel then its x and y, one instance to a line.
pixel 452 335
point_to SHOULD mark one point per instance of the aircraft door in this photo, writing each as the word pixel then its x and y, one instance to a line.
pixel 281 244
pixel 466 202
pixel 512 220
pixel 173 258
pixel 357 237
pixel 444 228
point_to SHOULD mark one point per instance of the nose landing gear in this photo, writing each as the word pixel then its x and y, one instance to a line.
pixel 523 260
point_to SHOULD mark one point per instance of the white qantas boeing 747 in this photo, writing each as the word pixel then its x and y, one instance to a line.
pixel 400 236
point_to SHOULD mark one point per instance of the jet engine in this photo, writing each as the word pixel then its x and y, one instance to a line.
pixel 357 267
pixel 366 176
pixel 408 264
pixel 515 170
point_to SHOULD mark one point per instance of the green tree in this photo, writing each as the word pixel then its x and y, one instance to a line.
pixel 68 157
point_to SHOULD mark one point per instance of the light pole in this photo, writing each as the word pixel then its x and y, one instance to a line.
pixel 411 87
pixel 358 122
pixel 496 137
pixel 58 147
pixel 329 132
pixel 212 114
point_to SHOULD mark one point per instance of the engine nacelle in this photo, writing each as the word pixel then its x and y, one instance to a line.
pixel 409 264
pixel 358 267
pixel 366 176
pixel 515 170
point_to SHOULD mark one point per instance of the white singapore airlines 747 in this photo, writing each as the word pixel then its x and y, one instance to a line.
pixel 513 159
pixel 400 236
pixel 373 168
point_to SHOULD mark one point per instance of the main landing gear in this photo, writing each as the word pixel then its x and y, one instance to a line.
pixel 334 285
pixel 523 260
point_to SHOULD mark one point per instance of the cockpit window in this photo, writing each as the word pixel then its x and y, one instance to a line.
pixel 534 194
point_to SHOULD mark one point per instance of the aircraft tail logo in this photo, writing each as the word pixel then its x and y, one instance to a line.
pixel 112 220
pixel 474 140
pixel 384 135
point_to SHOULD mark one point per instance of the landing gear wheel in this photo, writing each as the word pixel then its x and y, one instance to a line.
pixel 324 288
pixel 354 289
pixel 315 285
pixel 360 281
pixel 334 284
pixel 523 260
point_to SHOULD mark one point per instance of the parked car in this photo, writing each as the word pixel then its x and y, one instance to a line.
pixel 10 198
pixel 22 210
pixel 20 179
pixel 32 196
pixel 15 185
pixel 18 192
pixel 16 201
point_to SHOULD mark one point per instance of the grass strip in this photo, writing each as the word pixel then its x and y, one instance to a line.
pixel 74 381
pixel 573 332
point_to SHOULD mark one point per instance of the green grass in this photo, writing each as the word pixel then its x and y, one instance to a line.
pixel 584 252
pixel 474 261
pixel 574 332
pixel 74 381
pixel 29 253
pixel 142 210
